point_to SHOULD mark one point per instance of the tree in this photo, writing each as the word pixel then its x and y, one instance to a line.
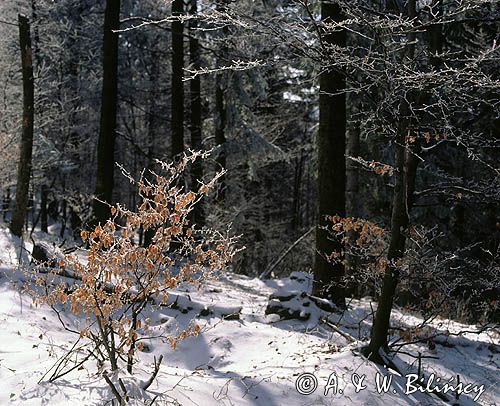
pixel 220 112
pixel 177 101
pixel 24 167
pixel 431 109
pixel 331 141
pixel 399 219
pixel 109 105
pixel 195 113
pixel 11 93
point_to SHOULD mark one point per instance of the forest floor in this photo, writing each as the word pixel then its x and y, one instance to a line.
pixel 248 359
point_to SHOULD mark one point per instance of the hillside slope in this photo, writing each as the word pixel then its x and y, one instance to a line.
pixel 248 358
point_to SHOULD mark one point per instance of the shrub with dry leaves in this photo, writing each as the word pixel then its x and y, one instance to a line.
pixel 119 279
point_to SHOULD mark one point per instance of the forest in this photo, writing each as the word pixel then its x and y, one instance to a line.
pixel 250 202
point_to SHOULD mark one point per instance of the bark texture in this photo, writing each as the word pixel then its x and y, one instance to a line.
pixel 331 165
pixel 109 104
pixel 25 159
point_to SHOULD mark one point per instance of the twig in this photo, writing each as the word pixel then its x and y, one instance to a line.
pixel 8 23
pixel 285 253
pixel 416 356
pixel 113 388
pixel 124 389
pixel 153 376
pixel 347 336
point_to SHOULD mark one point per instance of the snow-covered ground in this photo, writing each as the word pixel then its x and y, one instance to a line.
pixel 253 359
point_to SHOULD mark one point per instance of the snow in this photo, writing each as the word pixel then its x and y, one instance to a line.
pixel 250 359
pixel 292 97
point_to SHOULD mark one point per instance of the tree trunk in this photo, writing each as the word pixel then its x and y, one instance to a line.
pixel 352 184
pixel 109 105
pixel 177 109
pixel 404 183
pixel 43 209
pixel 331 166
pixel 31 204
pixel 220 110
pixel 71 71
pixel 297 189
pixel 5 202
pixel 435 33
pixel 353 208
pixel 24 167
pixel 153 123
pixel 220 132
pixel 195 127
pixel 64 217
pixel 36 55
pixel 399 223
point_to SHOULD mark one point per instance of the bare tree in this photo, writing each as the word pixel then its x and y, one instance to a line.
pixel 195 105
pixel 177 100
pixel 24 167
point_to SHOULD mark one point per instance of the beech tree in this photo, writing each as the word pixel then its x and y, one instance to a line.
pixel 418 107
pixel 410 84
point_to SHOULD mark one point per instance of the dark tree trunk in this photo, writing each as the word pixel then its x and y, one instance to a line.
pixel 43 209
pixel 435 33
pixel 64 217
pixel 36 55
pixel 353 208
pixel 24 167
pixel 109 103
pixel 399 223
pixel 220 133
pixel 5 202
pixel 297 189
pixel 177 108
pixel 404 184
pixel 72 73
pixel 146 236
pixel 353 203
pixel 331 166
pixel 220 111
pixel 195 127
pixel 76 222
pixel 310 216
pixel 31 203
